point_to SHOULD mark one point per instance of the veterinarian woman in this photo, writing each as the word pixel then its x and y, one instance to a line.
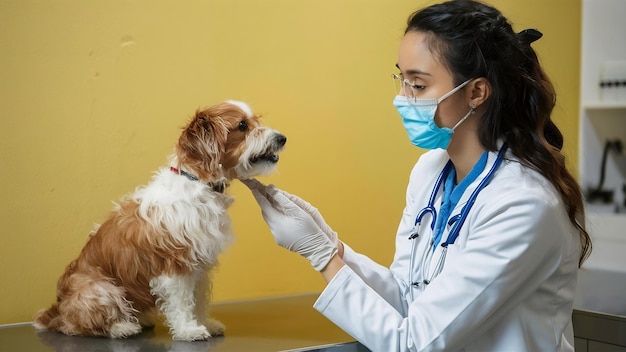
pixel 492 235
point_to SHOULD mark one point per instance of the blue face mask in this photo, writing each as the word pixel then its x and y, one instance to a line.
pixel 418 117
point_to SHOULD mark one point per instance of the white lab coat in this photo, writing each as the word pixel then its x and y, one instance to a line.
pixel 508 281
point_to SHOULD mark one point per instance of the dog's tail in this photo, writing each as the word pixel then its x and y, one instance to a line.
pixel 48 319
pixel 89 304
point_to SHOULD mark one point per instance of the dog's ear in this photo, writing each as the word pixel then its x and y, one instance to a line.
pixel 202 145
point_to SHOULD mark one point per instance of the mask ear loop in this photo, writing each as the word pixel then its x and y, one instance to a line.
pixel 453 91
pixel 471 112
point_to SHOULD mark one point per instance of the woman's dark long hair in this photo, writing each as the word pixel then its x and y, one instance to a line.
pixel 475 40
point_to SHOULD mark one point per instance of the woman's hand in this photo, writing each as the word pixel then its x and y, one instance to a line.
pixel 314 213
pixel 295 224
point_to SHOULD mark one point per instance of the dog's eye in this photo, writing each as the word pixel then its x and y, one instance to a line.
pixel 243 126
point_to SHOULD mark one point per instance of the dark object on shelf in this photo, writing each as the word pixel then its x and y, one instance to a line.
pixel 599 194
pixel 613 83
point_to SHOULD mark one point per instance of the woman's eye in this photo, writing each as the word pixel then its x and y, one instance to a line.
pixel 417 87
pixel 243 126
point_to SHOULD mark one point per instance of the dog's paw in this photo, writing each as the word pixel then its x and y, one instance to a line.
pixel 191 333
pixel 215 327
pixel 147 320
pixel 122 330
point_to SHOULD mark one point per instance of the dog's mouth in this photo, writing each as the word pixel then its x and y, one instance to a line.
pixel 270 156
pixel 267 157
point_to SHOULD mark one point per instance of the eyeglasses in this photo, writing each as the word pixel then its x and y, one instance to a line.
pixel 402 86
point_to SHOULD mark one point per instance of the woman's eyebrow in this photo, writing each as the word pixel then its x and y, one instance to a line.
pixel 414 72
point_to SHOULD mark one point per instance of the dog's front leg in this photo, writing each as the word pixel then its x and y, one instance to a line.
pixel 203 296
pixel 175 298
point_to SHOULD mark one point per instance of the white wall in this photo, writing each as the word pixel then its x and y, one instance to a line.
pixel 603 39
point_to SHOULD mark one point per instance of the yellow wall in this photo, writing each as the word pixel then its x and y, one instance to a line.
pixel 92 95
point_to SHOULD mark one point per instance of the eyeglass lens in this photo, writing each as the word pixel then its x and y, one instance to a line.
pixel 402 86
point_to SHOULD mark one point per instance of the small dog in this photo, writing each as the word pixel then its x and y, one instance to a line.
pixel 157 246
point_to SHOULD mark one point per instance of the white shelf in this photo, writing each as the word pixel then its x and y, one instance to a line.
pixel 604 105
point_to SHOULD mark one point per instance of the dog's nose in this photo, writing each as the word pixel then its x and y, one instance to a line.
pixel 280 139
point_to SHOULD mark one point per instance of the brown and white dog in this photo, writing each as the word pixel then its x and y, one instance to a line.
pixel 159 243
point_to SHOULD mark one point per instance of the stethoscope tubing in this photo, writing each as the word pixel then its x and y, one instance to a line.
pixel 456 228
pixel 430 208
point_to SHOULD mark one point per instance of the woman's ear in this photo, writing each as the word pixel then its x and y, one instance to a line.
pixel 479 91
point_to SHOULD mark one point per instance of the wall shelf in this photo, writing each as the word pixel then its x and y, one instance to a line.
pixel 603 105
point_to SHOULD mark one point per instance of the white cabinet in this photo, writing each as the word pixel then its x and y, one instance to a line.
pixel 602 280
pixel 600 315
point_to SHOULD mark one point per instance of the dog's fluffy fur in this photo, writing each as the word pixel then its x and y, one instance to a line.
pixel 159 243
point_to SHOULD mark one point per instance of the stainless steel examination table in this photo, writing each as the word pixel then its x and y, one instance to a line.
pixel 276 324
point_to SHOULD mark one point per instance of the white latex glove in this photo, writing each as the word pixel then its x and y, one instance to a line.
pixel 293 227
pixel 304 205
pixel 315 214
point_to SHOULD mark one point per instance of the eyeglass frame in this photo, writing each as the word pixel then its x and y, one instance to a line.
pixel 404 82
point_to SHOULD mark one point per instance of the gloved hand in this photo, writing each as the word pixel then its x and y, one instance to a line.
pixel 314 213
pixel 304 205
pixel 293 227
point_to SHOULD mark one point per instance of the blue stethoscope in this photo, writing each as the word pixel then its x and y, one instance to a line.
pixel 455 221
